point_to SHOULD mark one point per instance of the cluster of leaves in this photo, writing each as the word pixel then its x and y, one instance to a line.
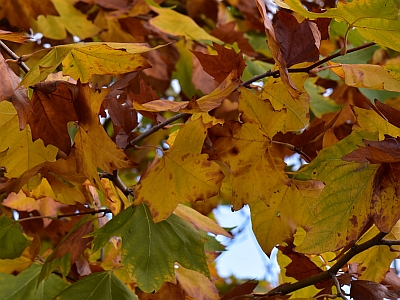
pixel 87 134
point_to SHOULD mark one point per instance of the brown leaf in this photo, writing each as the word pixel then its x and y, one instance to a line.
pixel 386 151
pixel 368 290
pixel 75 244
pixel 227 33
pixel 241 290
pixel 298 42
pixel 300 267
pixel 221 65
pixel 168 291
pixel 146 94
pixel 45 119
pixel 16 37
pixel 391 114
pixel 392 280
pixel 121 112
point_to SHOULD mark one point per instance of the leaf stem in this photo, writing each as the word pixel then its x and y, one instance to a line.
pixel 14 56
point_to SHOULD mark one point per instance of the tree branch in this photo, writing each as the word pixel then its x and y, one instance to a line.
pixel 307 69
pixel 289 288
pixel 57 217
pixel 157 127
pixel 14 56
pixel 114 177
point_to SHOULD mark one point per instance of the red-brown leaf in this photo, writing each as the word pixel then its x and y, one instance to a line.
pixel 368 290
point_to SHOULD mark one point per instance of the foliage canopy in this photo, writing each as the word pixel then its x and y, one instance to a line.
pixel 109 173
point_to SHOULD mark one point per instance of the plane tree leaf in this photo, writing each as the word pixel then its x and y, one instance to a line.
pixel 150 250
pixel 24 285
pixel 20 152
pixel 100 285
pixel 12 240
pixel 172 22
pixel 340 213
pixel 255 168
pixel 96 57
pixel 182 174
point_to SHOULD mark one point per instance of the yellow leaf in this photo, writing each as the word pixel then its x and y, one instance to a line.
pixel 195 284
pixel 255 168
pixel 19 153
pixel 370 121
pixel 275 221
pixel 116 200
pixel 51 27
pixel 215 98
pixel 19 264
pixel 85 62
pixel 200 221
pixel 21 202
pixel 16 37
pixel 172 22
pixel 255 110
pixel 181 175
pixel 94 148
pixel 160 105
pixel 367 76
pixel 297 110
pixel 74 21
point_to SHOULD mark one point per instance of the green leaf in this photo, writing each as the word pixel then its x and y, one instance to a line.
pixel 342 209
pixel 184 69
pixel 101 285
pixel 150 250
pixel 23 286
pixel 12 241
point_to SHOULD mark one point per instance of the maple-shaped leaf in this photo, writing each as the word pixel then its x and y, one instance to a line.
pixel 100 285
pixel 299 42
pixel 343 208
pixel 255 168
pixel 69 250
pixel 221 65
pixel 182 174
pixel 150 250
pixel 371 121
pixel 20 153
pixel 363 289
pixel 12 239
pixel 44 117
pixel 195 284
pixel 9 90
pixel 374 20
pixel 297 110
pixel 94 148
pixel 82 60
pixel 172 22
pixel 275 221
pixel 23 286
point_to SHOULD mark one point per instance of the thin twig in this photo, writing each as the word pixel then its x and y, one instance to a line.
pixel 289 288
pixel 294 149
pixel 307 69
pixel 337 285
pixel 57 217
pixel 157 127
pixel 14 56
